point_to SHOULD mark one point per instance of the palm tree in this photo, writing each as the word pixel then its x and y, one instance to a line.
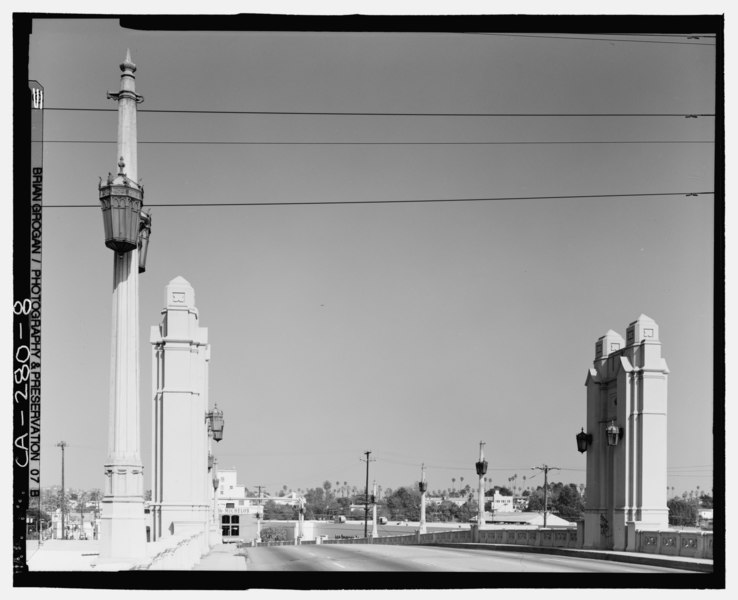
pixel 453 483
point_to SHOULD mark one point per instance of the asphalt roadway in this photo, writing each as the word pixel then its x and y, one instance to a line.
pixel 367 557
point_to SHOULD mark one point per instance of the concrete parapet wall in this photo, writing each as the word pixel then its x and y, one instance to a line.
pixel 530 536
pixel 695 544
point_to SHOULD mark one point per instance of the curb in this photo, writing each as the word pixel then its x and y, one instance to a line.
pixel 640 559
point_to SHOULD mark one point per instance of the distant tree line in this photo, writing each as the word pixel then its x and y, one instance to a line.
pixel 566 500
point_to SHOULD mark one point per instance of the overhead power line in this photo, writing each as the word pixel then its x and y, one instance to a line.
pixel 263 143
pixel 600 39
pixel 426 200
pixel 380 114
pixel 674 35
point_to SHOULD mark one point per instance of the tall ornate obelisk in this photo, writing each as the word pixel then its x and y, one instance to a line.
pixel 122 527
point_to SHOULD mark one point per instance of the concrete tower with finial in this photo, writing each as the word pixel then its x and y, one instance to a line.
pixel 122 524
pixel 181 436
pixel 625 440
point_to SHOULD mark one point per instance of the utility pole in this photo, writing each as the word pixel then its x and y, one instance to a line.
pixel 545 469
pixel 63 445
pixel 366 493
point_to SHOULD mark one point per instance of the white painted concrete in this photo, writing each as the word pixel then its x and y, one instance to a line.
pixel 626 483
pixel 182 488
pixel 122 526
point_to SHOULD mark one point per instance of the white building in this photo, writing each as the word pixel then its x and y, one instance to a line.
pixel 500 503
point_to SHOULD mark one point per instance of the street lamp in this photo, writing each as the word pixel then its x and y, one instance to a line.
pixel 614 433
pixel 422 487
pixel 215 420
pixel 481 466
pixel 121 200
pixel 584 440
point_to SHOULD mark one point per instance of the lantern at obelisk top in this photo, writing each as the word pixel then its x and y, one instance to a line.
pixel 127 227
pixel 122 523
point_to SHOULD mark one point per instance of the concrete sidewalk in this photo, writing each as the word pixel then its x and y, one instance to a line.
pixel 62 555
pixel 222 557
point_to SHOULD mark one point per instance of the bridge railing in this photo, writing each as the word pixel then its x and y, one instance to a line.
pixel 695 544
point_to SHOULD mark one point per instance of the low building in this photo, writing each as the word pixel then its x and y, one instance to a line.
pixel 704 518
pixel 534 519
pixel 500 503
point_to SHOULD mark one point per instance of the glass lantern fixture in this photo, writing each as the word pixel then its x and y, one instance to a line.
pixel 584 440
pixel 215 417
pixel 121 200
pixel 614 434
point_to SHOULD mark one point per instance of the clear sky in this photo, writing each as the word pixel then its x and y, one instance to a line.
pixel 411 330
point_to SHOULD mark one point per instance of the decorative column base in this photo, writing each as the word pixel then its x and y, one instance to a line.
pixel 594 533
pixel 122 520
pixel 652 518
